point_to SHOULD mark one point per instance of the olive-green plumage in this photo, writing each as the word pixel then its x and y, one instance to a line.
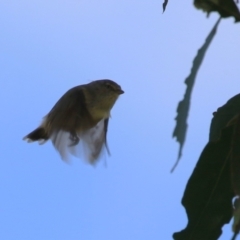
pixel 80 114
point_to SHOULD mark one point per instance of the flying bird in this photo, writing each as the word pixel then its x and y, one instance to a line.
pixel 78 122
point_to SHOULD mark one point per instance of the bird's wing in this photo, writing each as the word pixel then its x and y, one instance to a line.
pixel 93 141
pixel 69 113
pixel 90 146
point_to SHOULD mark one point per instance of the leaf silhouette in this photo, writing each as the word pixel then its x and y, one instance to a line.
pixel 235 154
pixel 215 179
pixel 208 194
pixel 236 218
pixel 164 5
pixel 229 115
pixel 235 171
pixel 223 116
pixel 184 105
pixel 226 8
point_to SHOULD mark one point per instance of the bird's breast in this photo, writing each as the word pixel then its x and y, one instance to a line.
pixel 98 114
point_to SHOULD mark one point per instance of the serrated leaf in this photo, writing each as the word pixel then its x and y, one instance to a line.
pixel 184 105
pixel 225 8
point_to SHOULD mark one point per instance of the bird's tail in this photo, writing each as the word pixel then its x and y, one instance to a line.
pixel 39 134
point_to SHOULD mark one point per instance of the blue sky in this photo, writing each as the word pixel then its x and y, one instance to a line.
pixel 47 47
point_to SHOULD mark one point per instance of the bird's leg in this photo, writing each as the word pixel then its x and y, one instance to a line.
pixel 74 138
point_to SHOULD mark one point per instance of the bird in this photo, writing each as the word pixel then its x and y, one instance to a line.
pixel 78 123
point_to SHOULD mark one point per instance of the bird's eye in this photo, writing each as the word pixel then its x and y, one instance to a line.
pixel 109 86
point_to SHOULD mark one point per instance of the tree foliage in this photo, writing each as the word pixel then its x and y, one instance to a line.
pixel 215 181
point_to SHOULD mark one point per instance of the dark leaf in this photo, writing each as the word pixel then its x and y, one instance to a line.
pixel 208 194
pixel 236 217
pixel 229 114
pixel 226 8
pixel 215 179
pixel 183 106
pixel 235 155
pixel 235 171
pixel 164 5
pixel 223 115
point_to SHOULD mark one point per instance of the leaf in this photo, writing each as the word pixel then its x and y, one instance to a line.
pixel 184 105
pixel 235 154
pixel 223 116
pixel 208 194
pixel 215 179
pixel 235 172
pixel 225 8
pixel 236 218
pixel 164 5
pixel 229 115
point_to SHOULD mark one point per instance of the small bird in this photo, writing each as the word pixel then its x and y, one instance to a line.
pixel 80 117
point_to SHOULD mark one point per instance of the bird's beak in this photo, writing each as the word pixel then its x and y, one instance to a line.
pixel 120 91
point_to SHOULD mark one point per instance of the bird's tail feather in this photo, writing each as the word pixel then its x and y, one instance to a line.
pixel 39 134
